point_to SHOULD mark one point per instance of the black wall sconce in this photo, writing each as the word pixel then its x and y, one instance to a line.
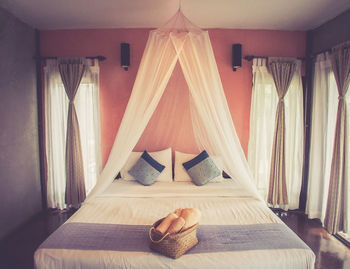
pixel 125 55
pixel 236 56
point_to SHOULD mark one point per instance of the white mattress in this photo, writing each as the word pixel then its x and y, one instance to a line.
pixel 127 202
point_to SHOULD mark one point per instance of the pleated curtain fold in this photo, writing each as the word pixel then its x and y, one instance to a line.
pixel 282 73
pixel 336 212
pixel 72 71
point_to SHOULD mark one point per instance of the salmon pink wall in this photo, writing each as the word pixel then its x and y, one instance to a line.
pixel 169 128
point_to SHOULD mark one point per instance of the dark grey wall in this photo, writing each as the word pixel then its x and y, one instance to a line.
pixel 330 33
pixel 20 192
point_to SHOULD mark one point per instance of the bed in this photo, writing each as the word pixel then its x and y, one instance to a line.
pixel 126 204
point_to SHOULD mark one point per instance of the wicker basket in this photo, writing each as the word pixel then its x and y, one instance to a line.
pixel 173 245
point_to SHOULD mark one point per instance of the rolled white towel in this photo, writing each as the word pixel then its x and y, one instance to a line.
pixel 191 216
pixel 176 225
pixel 166 222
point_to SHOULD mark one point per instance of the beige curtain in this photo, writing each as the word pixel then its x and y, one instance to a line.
pixel 282 73
pixel 72 71
pixel 335 212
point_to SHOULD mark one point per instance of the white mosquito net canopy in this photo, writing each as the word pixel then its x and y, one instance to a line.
pixel 180 41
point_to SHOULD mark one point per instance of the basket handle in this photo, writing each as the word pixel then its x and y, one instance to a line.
pixel 156 241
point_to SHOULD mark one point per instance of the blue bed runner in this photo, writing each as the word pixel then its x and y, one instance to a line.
pixel 212 238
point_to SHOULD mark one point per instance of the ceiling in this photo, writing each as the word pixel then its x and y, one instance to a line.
pixel 235 14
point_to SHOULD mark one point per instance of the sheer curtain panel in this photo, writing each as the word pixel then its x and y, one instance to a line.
pixel 324 111
pixel 262 123
pixel 56 114
pixel 262 114
pixel 323 129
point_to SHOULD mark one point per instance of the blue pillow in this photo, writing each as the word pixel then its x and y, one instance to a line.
pixel 201 169
pixel 146 170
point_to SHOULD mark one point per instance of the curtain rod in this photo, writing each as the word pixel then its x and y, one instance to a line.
pixel 313 55
pixel 99 57
pixel 251 57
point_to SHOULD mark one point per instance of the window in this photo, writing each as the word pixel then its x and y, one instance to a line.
pixel 324 113
pixel 56 111
pixel 262 124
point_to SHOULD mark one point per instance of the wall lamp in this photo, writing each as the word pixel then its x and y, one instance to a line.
pixel 236 56
pixel 125 55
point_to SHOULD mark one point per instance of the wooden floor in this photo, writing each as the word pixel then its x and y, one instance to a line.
pixel 16 250
pixel 330 252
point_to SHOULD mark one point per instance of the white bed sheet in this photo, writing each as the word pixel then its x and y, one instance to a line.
pixel 127 202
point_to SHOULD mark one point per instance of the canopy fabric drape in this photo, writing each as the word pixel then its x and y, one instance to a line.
pixel 324 111
pixel 282 73
pixel 72 71
pixel 264 103
pixel 56 113
pixel 212 123
pixel 335 212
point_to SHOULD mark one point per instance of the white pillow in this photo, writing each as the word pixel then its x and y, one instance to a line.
pixel 163 157
pixel 180 173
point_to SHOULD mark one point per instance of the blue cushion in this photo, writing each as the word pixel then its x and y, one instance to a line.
pixel 146 170
pixel 201 169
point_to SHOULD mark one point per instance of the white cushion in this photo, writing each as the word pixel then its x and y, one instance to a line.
pixel 180 173
pixel 163 157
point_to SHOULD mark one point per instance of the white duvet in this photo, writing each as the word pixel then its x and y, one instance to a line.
pixel 127 202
